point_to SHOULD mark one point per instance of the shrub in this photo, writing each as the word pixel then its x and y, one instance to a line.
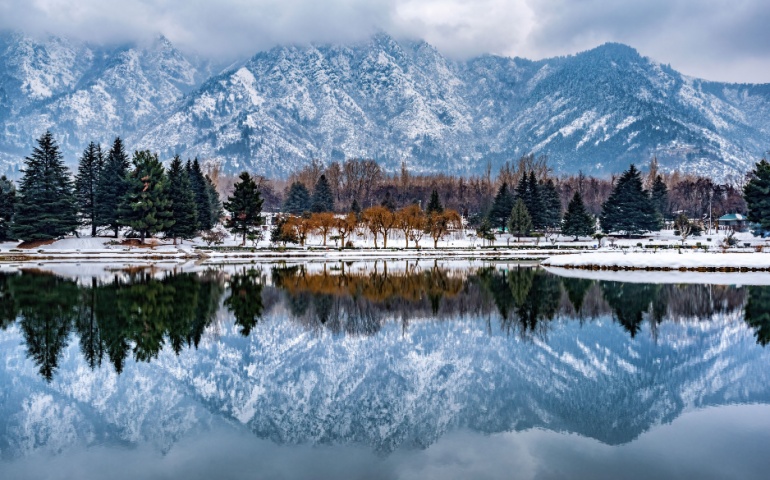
pixel 216 237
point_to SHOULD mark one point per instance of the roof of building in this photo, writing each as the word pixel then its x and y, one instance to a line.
pixel 736 217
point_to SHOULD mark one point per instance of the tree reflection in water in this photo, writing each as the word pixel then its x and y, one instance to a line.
pixel 138 313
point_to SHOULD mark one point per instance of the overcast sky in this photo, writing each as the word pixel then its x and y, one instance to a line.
pixel 725 40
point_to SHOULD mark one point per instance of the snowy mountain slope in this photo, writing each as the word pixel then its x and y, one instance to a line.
pixel 601 109
pixel 397 388
pixel 289 105
pixel 596 111
pixel 392 101
pixel 84 93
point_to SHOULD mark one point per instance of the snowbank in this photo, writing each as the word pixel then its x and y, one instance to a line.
pixel 666 277
pixel 669 260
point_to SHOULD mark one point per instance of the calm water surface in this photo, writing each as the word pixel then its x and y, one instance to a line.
pixel 379 370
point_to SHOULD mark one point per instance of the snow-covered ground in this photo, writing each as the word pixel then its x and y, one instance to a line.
pixel 666 277
pixel 457 244
pixel 662 260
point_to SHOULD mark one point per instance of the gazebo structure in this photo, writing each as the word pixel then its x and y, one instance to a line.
pixel 733 221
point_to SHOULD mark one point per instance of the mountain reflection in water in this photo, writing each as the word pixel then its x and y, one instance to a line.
pixel 382 355
pixel 138 313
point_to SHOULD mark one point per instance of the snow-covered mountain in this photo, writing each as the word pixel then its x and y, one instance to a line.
pixel 392 101
pixel 84 93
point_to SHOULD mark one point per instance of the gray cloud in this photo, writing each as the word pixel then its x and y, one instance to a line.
pixel 714 39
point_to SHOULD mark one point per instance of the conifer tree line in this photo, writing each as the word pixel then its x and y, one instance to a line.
pixel 110 192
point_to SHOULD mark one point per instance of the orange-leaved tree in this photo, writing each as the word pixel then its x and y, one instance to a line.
pixel 410 219
pixel 299 227
pixel 379 220
pixel 345 226
pixel 323 223
pixel 440 223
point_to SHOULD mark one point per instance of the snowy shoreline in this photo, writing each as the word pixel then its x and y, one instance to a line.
pixel 684 260
pixel 676 277
pixel 181 254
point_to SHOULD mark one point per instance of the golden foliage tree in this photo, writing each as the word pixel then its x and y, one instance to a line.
pixel 439 224
pixel 323 223
pixel 410 219
pixel 379 220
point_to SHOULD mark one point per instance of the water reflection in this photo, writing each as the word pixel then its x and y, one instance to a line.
pixel 140 312
pixel 380 358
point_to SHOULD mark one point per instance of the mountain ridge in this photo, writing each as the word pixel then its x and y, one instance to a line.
pixel 392 101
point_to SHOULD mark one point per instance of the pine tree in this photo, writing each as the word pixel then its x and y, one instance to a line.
pixel 434 205
pixel 146 207
pixel 111 187
pixel 527 190
pixel 245 207
pixel 215 204
pixel 279 234
pixel 202 195
pixel 757 195
pixel 45 208
pixel 323 198
pixel 356 209
pixel 577 221
pixel 297 200
pixel 87 182
pixel 551 204
pixel 501 207
pixel 184 210
pixel 7 206
pixel 659 197
pixel 388 202
pixel 629 208
pixel 520 222
pixel 485 231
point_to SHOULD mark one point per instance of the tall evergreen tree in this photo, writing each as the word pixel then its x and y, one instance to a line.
pixel 245 207
pixel 7 206
pixel 111 187
pixel 323 198
pixel 434 205
pixel 388 202
pixel 86 184
pixel 146 207
pixel 577 220
pixel 46 204
pixel 184 210
pixel 551 204
pixel 501 207
pixel 202 194
pixel 529 192
pixel 215 204
pixel 757 195
pixel 659 197
pixel 297 200
pixel 520 222
pixel 279 234
pixel 356 209
pixel 629 208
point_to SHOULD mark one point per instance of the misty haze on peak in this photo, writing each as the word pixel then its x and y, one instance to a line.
pixel 715 40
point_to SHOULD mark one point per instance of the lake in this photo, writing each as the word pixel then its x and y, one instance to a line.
pixel 378 370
